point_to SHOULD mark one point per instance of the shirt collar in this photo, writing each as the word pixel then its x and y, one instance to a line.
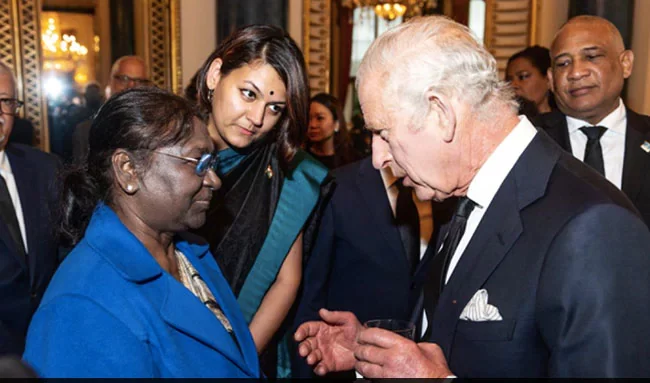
pixel 615 121
pixel 118 246
pixel 4 163
pixel 387 177
pixel 494 171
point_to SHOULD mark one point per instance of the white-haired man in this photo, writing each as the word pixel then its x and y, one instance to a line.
pixel 544 271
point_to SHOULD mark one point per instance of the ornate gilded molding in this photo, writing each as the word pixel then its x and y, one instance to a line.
pixel 317 30
pixel 20 49
pixel 163 40
pixel 508 28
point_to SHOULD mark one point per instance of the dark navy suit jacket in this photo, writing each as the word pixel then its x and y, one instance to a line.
pixel 565 258
pixel 23 279
pixel 636 164
pixel 358 263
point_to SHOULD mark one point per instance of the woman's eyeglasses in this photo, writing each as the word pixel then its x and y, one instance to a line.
pixel 201 165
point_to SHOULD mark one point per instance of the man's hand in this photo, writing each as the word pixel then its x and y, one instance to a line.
pixel 383 354
pixel 329 345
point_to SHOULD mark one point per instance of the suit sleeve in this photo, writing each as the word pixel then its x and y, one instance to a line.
pixel 592 303
pixel 73 336
pixel 316 281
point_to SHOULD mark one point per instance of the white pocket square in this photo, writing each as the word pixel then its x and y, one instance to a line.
pixel 478 309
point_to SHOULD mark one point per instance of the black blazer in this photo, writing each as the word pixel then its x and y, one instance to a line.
pixel 563 256
pixel 23 280
pixel 358 263
pixel 636 164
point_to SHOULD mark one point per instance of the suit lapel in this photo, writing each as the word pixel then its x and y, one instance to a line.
pixel 373 193
pixel 498 231
pixel 636 160
pixel 27 193
pixel 554 124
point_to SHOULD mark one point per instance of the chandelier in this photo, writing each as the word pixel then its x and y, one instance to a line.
pixel 390 10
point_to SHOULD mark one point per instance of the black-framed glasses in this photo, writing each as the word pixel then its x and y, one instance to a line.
pixel 10 106
pixel 125 80
pixel 201 165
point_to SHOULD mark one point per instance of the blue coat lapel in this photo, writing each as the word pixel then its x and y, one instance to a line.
pixel 230 308
pixel 179 307
pixel 184 312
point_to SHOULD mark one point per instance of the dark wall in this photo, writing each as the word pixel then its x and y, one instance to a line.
pixel 233 14
pixel 619 12
pixel 122 30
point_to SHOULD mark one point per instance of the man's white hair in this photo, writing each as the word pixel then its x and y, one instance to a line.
pixel 435 53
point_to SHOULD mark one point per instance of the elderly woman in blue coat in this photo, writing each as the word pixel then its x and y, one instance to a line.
pixel 137 297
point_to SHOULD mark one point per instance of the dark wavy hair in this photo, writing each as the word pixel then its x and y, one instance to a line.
pixel 540 58
pixel 273 46
pixel 137 120
pixel 342 142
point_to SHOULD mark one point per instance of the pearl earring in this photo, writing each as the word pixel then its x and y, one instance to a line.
pixel 129 188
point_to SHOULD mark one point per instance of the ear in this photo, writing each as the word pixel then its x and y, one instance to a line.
pixel 214 73
pixel 442 113
pixel 627 62
pixel 125 173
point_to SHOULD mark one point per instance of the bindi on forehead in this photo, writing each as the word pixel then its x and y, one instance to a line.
pixel 271 93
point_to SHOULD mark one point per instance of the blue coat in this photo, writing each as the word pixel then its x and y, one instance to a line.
pixel 112 311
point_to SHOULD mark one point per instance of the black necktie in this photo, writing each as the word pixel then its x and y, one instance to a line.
pixel 593 150
pixel 435 282
pixel 408 223
pixel 8 216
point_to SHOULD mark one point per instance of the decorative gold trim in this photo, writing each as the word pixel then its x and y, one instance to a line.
pixel 317 33
pixel 177 72
pixel 532 33
pixel 28 67
pixel 489 23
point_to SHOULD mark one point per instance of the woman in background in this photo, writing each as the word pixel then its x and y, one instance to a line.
pixel 137 297
pixel 328 139
pixel 262 221
pixel 526 71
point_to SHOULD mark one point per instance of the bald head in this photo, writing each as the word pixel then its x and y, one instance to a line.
pixel 602 27
pixel 6 71
pixel 589 65
pixel 127 72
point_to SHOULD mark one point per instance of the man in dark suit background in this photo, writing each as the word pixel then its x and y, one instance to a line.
pixel 544 270
pixel 363 260
pixel 28 250
pixel 127 72
pixel 589 66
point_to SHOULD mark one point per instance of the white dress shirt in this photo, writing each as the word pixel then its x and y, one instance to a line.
pixel 5 171
pixel 612 142
pixel 424 208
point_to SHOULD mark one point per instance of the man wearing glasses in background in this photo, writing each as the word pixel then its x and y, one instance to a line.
pixel 28 249
pixel 127 72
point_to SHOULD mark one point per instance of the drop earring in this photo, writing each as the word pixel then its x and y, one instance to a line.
pixel 210 94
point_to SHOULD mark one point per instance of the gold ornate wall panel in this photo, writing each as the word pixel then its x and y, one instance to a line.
pixel 316 46
pixel 162 26
pixel 508 28
pixel 20 49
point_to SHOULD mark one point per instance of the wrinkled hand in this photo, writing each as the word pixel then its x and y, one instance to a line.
pixel 384 354
pixel 330 344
